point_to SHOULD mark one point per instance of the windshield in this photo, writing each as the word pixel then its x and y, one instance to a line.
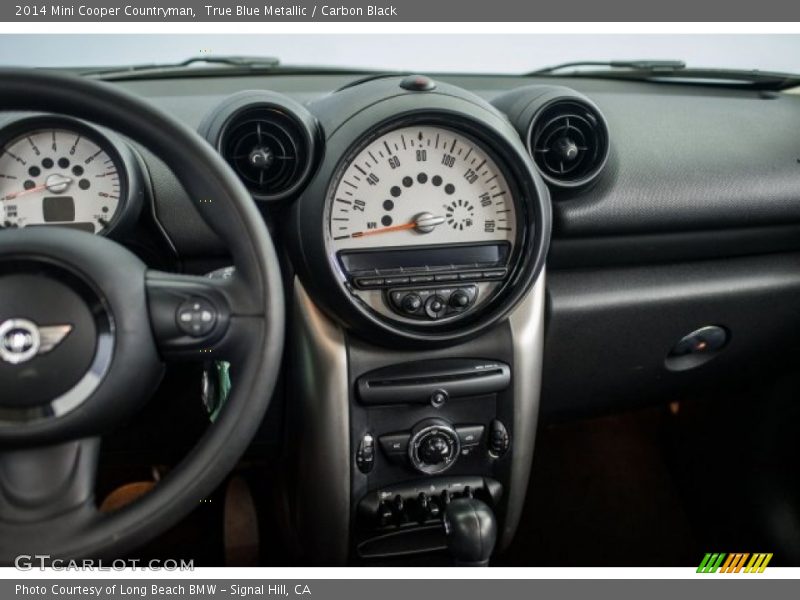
pixel 513 53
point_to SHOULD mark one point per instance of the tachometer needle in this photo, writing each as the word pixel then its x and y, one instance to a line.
pixel 423 223
pixel 50 183
pixel 14 195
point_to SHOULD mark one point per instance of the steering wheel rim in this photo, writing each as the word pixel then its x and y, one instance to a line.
pixel 252 312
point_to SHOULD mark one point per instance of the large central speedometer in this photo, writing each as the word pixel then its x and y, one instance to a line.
pixel 425 221
pixel 422 223
pixel 420 185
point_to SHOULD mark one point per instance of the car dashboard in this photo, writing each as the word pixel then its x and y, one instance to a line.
pixel 466 257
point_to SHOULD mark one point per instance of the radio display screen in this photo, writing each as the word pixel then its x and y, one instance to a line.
pixel 434 258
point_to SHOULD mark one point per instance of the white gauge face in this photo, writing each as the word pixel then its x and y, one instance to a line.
pixel 421 185
pixel 58 177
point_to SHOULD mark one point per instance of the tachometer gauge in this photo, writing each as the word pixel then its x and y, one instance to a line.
pixel 65 175
pixel 421 185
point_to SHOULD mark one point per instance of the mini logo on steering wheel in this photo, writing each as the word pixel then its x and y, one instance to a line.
pixel 21 339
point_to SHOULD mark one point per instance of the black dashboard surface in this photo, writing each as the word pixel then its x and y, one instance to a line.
pixel 700 198
pixel 718 166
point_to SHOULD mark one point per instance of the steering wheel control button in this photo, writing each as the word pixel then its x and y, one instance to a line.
pixel 418 83
pixel 365 455
pixel 196 317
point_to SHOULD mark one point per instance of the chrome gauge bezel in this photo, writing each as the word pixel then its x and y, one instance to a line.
pixel 130 175
pixel 354 116
pixel 489 143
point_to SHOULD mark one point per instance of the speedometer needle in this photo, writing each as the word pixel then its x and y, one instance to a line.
pixel 402 227
pixel 423 223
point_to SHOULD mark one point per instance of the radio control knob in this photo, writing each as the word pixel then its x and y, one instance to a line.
pixel 411 303
pixel 435 306
pixel 459 299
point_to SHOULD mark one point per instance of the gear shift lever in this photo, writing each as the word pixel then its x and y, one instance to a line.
pixel 471 531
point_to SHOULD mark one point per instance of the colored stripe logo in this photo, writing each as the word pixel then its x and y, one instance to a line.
pixel 714 562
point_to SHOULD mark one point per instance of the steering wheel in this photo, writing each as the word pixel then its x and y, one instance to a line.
pixel 86 327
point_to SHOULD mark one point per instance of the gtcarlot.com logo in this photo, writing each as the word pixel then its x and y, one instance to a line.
pixel 28 562
pixel 738 562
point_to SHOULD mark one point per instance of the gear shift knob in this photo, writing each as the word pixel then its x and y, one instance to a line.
pixel 471 531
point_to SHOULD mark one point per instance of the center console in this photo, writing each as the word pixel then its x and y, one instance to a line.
pixel 424 433
pixel 389 438
pixel 417 328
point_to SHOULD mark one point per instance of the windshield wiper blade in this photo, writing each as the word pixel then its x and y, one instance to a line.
pixel 640 65
pixel 661 71
pixel 754 80
pixel 247 62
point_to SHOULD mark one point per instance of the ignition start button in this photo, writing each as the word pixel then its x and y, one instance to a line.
pixel 196 317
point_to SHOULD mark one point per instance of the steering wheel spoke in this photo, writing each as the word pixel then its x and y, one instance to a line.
pixel 44 488
pixel 198 318
pixel 133 319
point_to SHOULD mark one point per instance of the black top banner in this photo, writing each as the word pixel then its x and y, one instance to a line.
pixel 400 11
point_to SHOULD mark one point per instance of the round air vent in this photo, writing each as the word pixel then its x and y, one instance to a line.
pixel 267 139
pixel 568 140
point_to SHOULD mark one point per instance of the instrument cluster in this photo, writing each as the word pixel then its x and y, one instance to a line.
pixel 60 172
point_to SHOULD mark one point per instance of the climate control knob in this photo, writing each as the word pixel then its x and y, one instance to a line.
pixel 434 450
pixel 434 446
pixel 459 300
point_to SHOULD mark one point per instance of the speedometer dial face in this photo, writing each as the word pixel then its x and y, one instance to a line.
pixel 421 185
pixel 58 176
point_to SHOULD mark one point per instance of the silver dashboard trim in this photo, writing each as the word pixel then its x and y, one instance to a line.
pixel 319 380
pixel 320 393
pixel 527 324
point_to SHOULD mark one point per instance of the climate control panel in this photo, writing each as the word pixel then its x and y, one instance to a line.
pixel 434 445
